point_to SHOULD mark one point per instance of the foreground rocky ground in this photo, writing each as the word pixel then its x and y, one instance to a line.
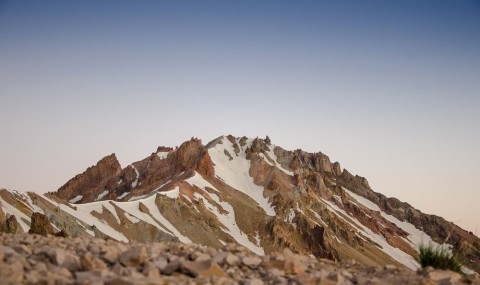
pixel 34 259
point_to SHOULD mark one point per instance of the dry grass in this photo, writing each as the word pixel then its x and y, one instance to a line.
pixel 439 257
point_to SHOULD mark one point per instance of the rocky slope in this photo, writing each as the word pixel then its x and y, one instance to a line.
pixel 241 190
pixel 33 259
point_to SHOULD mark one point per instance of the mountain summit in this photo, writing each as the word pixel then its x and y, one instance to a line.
pixel 247 191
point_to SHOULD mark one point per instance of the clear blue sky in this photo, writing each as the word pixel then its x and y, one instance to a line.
pixel 391 89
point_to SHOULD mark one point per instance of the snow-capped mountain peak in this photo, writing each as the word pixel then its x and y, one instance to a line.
pixel 243 190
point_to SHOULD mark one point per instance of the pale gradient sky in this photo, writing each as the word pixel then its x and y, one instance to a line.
pixel 390 89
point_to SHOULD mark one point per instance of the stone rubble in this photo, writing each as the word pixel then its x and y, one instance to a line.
pixel 35 259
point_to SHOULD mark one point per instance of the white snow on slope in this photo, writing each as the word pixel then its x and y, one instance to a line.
pixel 19 215
pixel 364 201
pixel 101 195
pixel 289 219
pixel 135 183
pixel 90 232
pixel 98 207
pixel 159 187
pixel 132 219
pixel 76 199
pixel 123 195
pixel 172 194
pixel 201 183
pixel 416 237
pixel 132 207
pixel 153 208
pixel 272 155
pixel 236 172
pixel 338 198
pixel 162 154
pixel 317 216
pixel 136 198
pixel 163 224
pixel 393 252
pixel 257 238
pixel 228 219
pixel 28 201
pixel 83 213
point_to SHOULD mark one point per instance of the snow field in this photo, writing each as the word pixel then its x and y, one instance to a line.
pixel 236 172
pixel 228 219
pixel 393 252
pixel 416 237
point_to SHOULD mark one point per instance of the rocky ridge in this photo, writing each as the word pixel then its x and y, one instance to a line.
pixel 242 190
pixel 93 180
pixel 34 259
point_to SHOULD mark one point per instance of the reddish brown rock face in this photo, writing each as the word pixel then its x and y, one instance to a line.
pixel 193 155
pixel 205 165
pixel 140 177
pixel 90 183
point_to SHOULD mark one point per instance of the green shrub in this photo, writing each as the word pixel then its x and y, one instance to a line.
pixel 439 257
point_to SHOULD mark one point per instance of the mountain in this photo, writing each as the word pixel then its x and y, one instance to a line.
pixel 242 190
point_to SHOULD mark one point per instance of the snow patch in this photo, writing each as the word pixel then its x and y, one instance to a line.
pixel 272 156
pixel 289 219
pixel 153 208
pixel 90 232
pixel 29 202
pixel 123 195
pixel 257 238
pixel 162 154
pixel 133 208
pixel 367 203
pixel 336 238
pixel 393 252
pixel 338 198
pixel 19 215
pixel 83 213
pixel 135 183
pixel 160 187
pixel 136 198
pixel 237 172
pixel 228 219
pixel 132 219
pixel 318 218
pixel 172 194
pixel 416 237
pixel 163 224
pixel 76 199
pixel 101 195
pixel 200 182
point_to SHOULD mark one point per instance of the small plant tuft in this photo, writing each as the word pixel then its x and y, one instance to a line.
pixel 439 257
